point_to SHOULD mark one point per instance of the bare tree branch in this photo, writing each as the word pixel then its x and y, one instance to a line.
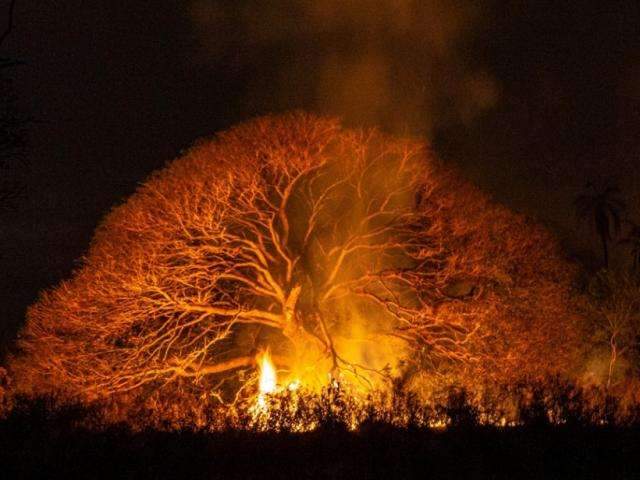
pixel 9 25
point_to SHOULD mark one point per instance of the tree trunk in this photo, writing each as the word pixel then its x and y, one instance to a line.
pixel 302 340
pixel 605 250
pixel 612 359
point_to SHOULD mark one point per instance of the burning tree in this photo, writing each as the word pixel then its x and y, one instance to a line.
pixel 613 307
pixel 350 254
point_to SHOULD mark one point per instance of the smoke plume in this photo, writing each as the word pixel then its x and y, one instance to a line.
pixel 405 65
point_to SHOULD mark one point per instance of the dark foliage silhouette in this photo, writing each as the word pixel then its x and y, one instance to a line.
pixel 603 209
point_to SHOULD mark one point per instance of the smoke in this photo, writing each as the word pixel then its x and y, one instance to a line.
pixel 404 65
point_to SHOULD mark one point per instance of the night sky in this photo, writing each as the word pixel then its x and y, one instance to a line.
pixel 531 100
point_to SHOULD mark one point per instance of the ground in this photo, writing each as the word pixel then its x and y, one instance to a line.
pixel 50 448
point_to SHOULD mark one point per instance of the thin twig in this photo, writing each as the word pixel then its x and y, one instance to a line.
pixel 9 27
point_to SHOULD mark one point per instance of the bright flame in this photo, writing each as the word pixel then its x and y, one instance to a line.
pixel 268 377
pixel 266 386
pixel 294 385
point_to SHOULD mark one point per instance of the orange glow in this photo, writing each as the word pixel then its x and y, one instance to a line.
pixel 353 255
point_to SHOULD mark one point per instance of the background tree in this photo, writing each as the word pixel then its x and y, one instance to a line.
pixel 603 209
pixel 347 253
pixel 632 240
pixel 14 165
pixel 6 29
pixel 12 123
pixel 615 313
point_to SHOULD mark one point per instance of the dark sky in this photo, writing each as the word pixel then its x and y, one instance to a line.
pixel 530 99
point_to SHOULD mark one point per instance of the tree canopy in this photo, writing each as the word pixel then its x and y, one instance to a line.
pixel 347 253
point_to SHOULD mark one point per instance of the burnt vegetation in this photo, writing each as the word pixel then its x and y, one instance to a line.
pixel 560 433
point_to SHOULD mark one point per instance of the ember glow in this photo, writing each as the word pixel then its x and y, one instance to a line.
pixel 353 261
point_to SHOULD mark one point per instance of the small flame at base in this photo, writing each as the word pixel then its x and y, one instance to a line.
pixel 267 387
pixel 268 376
pixel 267 384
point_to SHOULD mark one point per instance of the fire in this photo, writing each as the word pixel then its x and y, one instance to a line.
pixel 267 384
pixel 268 375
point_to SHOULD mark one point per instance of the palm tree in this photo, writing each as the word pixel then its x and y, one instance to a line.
pixel 632 240
pixel 603 209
